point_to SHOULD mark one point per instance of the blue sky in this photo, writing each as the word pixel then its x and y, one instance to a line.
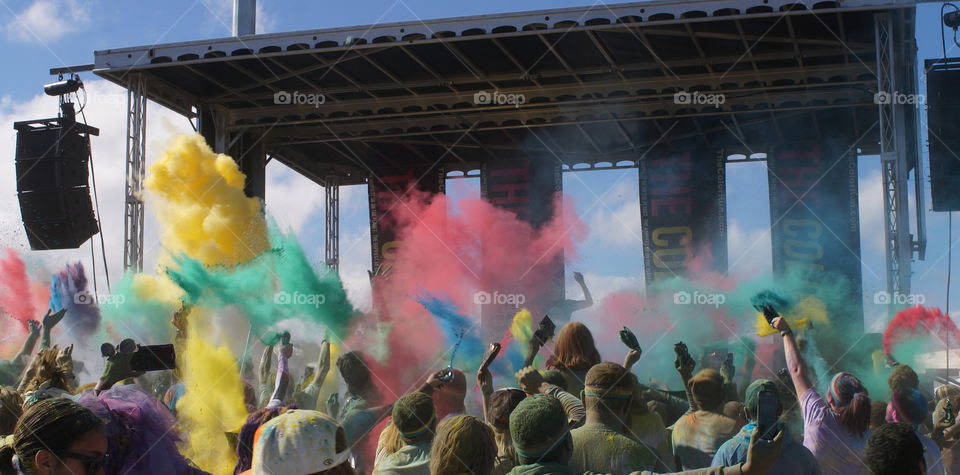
pixel 36 35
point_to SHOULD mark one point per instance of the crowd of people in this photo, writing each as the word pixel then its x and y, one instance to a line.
pixel 575 414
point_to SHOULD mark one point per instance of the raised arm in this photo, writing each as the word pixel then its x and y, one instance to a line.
pixel 795 363
pixel 50 320
pixel 685 366
pixel 574 305
pixel 27 349
pixel 533 347
pixel 266 360
pixel 323 364
pixel 283 376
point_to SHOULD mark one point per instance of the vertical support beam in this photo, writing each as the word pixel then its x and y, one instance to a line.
pixel 332 204
pixel 898 242
pixel 248 151
pixel 244 17
pixel 136 149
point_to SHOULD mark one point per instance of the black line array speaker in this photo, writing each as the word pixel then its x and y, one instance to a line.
pixel 943 132
pixel 51 162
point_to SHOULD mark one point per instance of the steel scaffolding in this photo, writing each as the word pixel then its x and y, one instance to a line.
pixel 332 205
pixel 136 148
pixel 893 159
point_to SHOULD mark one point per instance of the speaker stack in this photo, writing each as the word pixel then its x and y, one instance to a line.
pixel 943 132
pixel 52 159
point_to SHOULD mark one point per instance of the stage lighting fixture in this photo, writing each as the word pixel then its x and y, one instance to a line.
pixel 952 19
pixel 65 86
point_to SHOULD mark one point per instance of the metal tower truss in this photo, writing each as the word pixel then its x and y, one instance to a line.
pixel 136 148
pixel 893 156
pixel 332 204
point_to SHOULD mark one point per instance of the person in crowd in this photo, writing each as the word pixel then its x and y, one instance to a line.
pixel 561 311
pixel 574 354
pixel 449 399
pixel 50 374
pixel 301 442
pixel 10 370
pixel 878 414
pixel 907 405
pixel 699 433
pixel 895 449
pixel 56 436
pixel 795 459
pixel 542 441
pixel 835 427
pixel 463 445
pixel 903 376
pixel 501 404
pixel 141 434
pixel 600 445
pixel 415 419
pixel 362 409
pixel 531 382
pixel 245 438
pixel 11 408
pixel 306 396
pixel 646 425
pixel 946 429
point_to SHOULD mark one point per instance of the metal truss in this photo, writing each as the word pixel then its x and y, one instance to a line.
pixel 893 159
pixel 136 149
pixel 332 205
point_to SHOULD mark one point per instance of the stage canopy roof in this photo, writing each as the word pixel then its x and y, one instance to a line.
pixel 598 83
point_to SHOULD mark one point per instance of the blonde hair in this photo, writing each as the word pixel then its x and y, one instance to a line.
pixel 46 368
pixel 463 444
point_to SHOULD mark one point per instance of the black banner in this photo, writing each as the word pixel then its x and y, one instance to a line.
pixel 385 195
pixel 683 212
pixel 528 188
pixel 815 227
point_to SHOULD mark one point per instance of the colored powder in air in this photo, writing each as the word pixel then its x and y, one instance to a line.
pixel 278 284
pixel 68 289
pixel 202 206
pixel 912 325
pixel 213 403
pixel 15 295
pixel 521 327
pixel 144 309
pixel 464 347
pixel 809 312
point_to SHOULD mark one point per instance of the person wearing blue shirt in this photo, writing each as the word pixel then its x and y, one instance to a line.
pixel 795 459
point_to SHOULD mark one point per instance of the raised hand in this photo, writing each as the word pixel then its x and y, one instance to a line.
pixel 529 380
pixel 33 328
pixel 51 320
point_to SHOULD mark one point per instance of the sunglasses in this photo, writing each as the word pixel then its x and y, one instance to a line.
pixel 94 464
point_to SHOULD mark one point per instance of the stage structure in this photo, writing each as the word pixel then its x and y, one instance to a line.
pixel 676 89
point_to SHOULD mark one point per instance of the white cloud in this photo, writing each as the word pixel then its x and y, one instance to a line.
pixel 291 198
pixel 48 20
pixel 749 250
pixel 616 221
pixel 602 286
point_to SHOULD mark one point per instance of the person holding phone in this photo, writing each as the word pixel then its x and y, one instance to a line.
pixel 835 426
pixel 763 407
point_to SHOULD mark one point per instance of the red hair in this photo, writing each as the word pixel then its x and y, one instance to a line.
pixel 575 349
